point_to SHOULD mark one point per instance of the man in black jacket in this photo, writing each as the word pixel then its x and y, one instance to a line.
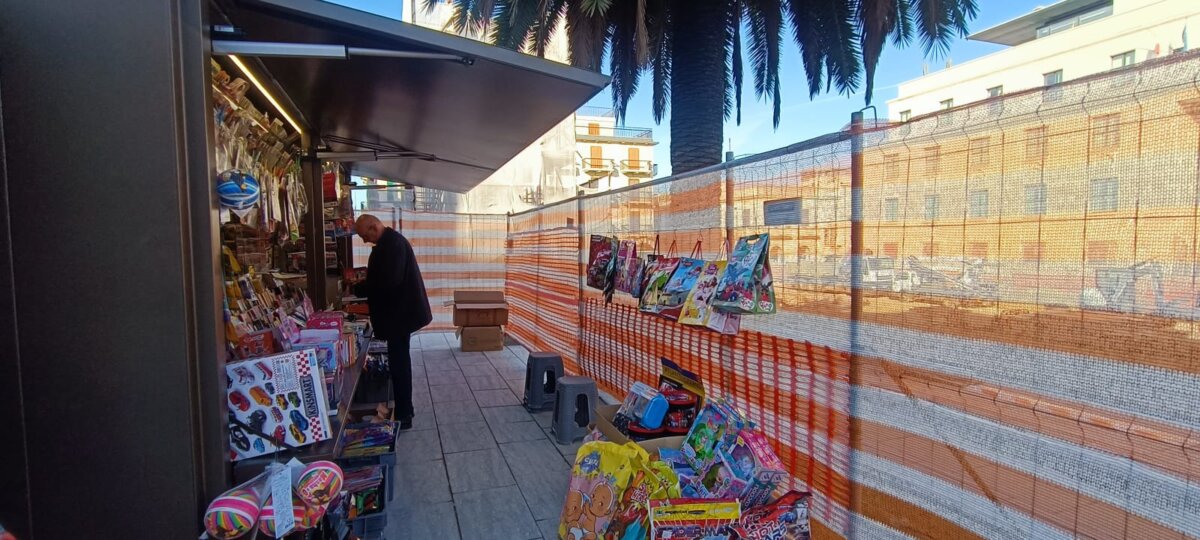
pixel 395 293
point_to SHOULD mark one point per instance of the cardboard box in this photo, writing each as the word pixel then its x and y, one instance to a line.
pixel 604 417
pixel 481 338
pixel 480 308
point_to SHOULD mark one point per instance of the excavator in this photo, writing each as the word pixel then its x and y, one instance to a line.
pixel 1116 290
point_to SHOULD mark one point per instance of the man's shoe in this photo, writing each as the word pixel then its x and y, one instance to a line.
pixel 405 423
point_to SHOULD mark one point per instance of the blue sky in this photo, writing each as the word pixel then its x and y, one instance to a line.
pixel 802 118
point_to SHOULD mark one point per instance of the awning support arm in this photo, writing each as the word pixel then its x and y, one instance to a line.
pixel 277 49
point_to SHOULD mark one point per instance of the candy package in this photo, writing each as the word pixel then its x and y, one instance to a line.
pixel 784 519
pixel 652 480
pixel 599 478
pixel 673 519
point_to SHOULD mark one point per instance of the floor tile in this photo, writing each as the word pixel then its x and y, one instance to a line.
pixel 493 382
pixel 481 370
pixel 438 365
pixel 549 528
pixel 517 373
pixel 432 521
pixel 495 513
pixel 517 431
pixel 480 469
pixel 544 418
pixel 541 474
pixel 516 385
pixel 450 392
pixel 466 437
pixel 418 446
pixel 442 378
pixel 421 483
pixel 511 413
pixel 496 398
pixel 457 412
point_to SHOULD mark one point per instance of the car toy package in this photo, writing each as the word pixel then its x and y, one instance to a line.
pixel 280 397
pixel 705 519
pixel 784 519
pixel 599 478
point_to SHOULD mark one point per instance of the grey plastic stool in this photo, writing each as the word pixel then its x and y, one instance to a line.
pixel 574 408
pixel 541 379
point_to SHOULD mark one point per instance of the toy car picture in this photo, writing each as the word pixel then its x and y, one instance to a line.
pixel 259 446
pixel 279 433
pixel 266 371
pixel 297 434
pixel 294 397
pixel 258 419
pixel 282 401
pixel 237 399
pixel 277 414
pixel 239 438
pixel 244 376
pixel 260 396
pixel 270 388
pixel 299 420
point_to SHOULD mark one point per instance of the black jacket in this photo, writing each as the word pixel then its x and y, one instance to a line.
pixel 394 288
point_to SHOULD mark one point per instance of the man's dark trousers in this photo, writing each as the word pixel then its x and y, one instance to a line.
pixel 400 362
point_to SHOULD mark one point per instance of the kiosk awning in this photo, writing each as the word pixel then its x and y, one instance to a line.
pixel 466 119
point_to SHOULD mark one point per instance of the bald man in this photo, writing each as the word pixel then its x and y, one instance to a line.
pixel 395 292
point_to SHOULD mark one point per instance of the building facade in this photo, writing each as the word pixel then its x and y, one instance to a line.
pixel 1064 41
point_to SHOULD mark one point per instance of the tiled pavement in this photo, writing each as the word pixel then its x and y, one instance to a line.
pixel 476 464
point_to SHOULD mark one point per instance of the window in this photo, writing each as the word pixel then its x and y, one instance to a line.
pixel 635 158
pixel 933 160
pixel 1100 250
pixel 1124 59
pixel 978 151
pixel 1104 195
pixel 891 209
pixel 947 104
pixel 1035 144
pixel 891 166
pixel 929 249
pixel 932 203
pixel 977 206
pixel 593 128
pixel 977 250
pixel 597 154
pixel 1055 26
pixel 1035 199
pixel 1031 251
pixel 1052 78
pixel 1106 131
pixel 891 249
pixel 905 115
pixel 996 91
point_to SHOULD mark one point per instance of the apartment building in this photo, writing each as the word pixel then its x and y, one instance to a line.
pixel 611 156
pixel 1066 40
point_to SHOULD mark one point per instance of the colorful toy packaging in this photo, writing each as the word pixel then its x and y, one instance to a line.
pixel 601 262
pixel 697 310
pixel 684 392
pixel 784 519
pixel 629 267
pixel 599 478
pixel 715 428
pixel 276 398
pixel 657 274
pixel 643 405
pixel 679 287
pixel 747 285
pixel 652 480
pixel 233 514
pixel 706 519
pixel 754 464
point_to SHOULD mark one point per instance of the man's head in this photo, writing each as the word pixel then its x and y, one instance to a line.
pixel 369 228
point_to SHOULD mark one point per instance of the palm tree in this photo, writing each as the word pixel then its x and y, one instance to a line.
pixel 839 40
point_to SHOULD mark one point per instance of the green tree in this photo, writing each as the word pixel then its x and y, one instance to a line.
pixel 693 49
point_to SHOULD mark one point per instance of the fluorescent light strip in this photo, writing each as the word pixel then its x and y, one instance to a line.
pixel 265 93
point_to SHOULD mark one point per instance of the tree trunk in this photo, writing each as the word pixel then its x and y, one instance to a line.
pixel 697 83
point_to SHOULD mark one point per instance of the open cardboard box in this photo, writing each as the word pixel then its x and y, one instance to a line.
pixel 604 417
pixel 479 308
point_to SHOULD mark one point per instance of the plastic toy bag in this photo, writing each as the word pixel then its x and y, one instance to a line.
pixel 652 480
pixel 784 519
pixel 601 263
pixel 599 478
pixel 629 268
pixel 747 286
pixel 697 310
pixel 658 274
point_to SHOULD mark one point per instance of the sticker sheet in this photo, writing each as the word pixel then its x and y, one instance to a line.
pixel 280 396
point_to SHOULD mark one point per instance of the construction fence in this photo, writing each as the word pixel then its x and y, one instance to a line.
pixel 987 317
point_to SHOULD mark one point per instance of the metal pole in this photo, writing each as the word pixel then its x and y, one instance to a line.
pixel 729 211
pixel 310 170
pixel 856 270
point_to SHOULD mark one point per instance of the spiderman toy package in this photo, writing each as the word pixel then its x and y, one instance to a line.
pixel 784 519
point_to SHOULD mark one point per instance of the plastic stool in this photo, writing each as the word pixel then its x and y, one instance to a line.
pixel 541 379
pixel 574 408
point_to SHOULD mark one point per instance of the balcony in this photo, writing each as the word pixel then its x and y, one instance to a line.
pixel 596 112
pixel 598 167
pixel 610 134
pixel 637 168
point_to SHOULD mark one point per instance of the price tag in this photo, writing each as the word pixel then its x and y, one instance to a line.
pixel 280 483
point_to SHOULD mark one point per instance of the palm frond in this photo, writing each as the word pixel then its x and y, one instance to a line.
pixel 940 21
pixel 514 22
pixel 594 7
pixel 659 29
pixel 877 19
pixel 736 13
pixel 766 35
pixel 806 33
pixel 552 12
pixel 625 66
pixel 585 36
pixel 842 53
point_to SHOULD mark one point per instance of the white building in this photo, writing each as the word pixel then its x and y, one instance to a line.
pixel 1052 44
pixel 611 156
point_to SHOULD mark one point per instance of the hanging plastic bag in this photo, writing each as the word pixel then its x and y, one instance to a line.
pixel 679 287
pixel 697 311
pixel 629 267
pixel 658 273
pixel 600 262
pixel 747 287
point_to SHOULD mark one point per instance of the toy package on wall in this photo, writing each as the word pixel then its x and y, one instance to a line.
pixel 629 267
pixel 601 262
pixel 747 285
pixel 278 397
pixel 679 287
pixel 599 478
pixel 697 310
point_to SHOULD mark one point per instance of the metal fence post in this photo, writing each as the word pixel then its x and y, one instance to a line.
pixel 856 270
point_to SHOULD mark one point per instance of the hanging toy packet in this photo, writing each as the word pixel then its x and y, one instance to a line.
pixel 599 478
pixel 784 519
